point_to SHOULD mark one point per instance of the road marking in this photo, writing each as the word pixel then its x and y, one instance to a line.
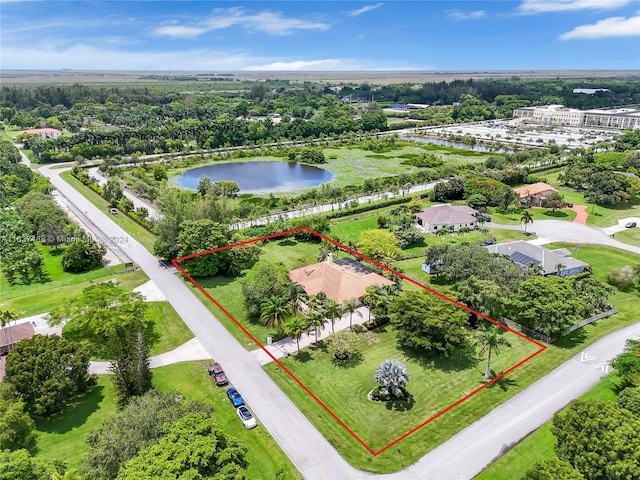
pixel 585 357
pixel 605 367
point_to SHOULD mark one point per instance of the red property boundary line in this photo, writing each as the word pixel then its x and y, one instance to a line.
pixel 176 263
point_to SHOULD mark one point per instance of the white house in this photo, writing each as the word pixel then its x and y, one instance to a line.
pixel 43 132
pixel 432 219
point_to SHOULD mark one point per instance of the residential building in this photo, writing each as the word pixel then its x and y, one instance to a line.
pixel 340 280
pixel 432 219
pixel 534 194
pixel 552 262
pixel 9 336
pixel 43 132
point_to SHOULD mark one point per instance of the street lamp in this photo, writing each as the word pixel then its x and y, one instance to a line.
pixel 400 453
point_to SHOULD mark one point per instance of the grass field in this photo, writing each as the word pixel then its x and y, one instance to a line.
pixel 539 445
pixel 536 214
pixel 168 331
pixel 44 300
pixel 55 277
pixel 344 389
pixel 143 236
pixel 630 236
pixel 63 436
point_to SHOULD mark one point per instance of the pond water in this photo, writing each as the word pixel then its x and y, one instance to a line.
pixel 460 145
pixel 259 177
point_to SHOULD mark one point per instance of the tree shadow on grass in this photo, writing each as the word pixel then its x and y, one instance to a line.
pixel 353 361
pixel 217 281
pixel 575 338
pixel 556 214
pixel 75 415
pixel 287 242
pixel 303 357
pixel 461 359
pixel 503 384
pixel 400 405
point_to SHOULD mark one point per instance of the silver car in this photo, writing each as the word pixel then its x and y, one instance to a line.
pixel 246 418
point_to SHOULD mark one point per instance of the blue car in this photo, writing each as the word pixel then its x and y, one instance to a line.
pixel 235 397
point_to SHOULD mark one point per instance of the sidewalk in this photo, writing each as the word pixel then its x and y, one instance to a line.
pixel 287 346
pixel 187 352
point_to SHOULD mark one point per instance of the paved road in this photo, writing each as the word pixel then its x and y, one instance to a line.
pixel 461 457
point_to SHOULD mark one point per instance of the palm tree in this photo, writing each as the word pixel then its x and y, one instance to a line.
pixel 526 218
pixel 391 375
pixel 351 306
pixel 296 294
pixel 441 233
pixel 316 319
pixel 274 311
pixel 560 269
pixel 370 299
pixel 295 327
pixel 332 311
pixel 491 339
pixel 463 230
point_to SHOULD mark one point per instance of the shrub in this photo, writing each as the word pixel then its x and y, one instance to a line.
pixel 621 277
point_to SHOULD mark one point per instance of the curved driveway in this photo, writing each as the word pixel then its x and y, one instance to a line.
pixel 461 457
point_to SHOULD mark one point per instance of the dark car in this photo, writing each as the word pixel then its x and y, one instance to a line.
pixel 216 372
pixel 630 225
pixel 487 218
pixel 234 397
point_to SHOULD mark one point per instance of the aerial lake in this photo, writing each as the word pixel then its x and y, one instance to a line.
pixel 259 177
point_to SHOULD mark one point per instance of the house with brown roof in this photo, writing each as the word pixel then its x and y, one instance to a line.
pixel 535 193
pixel 43 132
pixel 432 219
pixel 9 336
pixel 340 280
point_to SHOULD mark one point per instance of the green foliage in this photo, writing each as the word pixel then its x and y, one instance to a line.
pixel 19 254
pixel 451 190
pixel 242 257
pixel 45 219
pixel 629 398
pixel 598 439
pixel 312 155
pixel 622 277
pixel 83 255
pixel 193 447
pixel 295 327
pixel 199 236
pixel 16 426
pixel 425 160
pixel 20 465
pixel 429 323
pixel 552 469
pixel 546 304
pixel 484 296
pixel 47 372
pixel 274 311
pixel 392 376
pixel 627 364
pixel 139 425
pixel 342 345
pixel 380 245
pixel 261 282
pixel 490 338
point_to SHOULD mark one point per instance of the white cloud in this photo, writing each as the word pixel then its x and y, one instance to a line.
pixel 541 6
pixel 459 15
pixel 331 64
pixel 609 27
pixel 272 23
pixel 365 9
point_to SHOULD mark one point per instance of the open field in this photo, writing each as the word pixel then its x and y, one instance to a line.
pixel 142 235
pixel 55 277
pixel 66 77
pixel 44 300
pixel 63 436
pixel 536 214
pixel 539 445
pixel 344 388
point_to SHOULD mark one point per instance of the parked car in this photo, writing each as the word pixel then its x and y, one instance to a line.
pixel 113 211
pixel 234 397
pixel 568 205
pixel 216 372
pixel 246 418
pixel 630 224
pixel 487 218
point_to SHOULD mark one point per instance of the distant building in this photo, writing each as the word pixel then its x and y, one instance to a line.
pixel 340 280
pixel 552 262
pixel 432 219
pixel 43 132
pixel 590 91
pixel 621 118
pixel 534 194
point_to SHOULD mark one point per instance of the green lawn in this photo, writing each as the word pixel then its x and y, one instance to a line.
pixel 63 436
pixel 435 384
pixel 55 277
pixel 536 214
pixel 42 301
pixel 539 445
pixel 142 235
pixel 630 236
pixel 168 331
pixel 228 291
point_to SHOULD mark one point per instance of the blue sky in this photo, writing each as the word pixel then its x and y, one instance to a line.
pixel 318 35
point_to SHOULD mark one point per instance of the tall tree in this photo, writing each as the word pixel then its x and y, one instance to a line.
pixel 295 327
pixel 16 426
pixel 526 218
pixel 351 306
pixel 193 447
pixel 296 294
pixel 333 311
pixel 199 236
pixel 261 282
pixel 274 311
pixel 47 372
pixel 552 469
pixel 490 340
pixel 380 245
pixel 20 465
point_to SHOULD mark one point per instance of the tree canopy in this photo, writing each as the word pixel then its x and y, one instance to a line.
pixel 429 323
pixel 264 280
